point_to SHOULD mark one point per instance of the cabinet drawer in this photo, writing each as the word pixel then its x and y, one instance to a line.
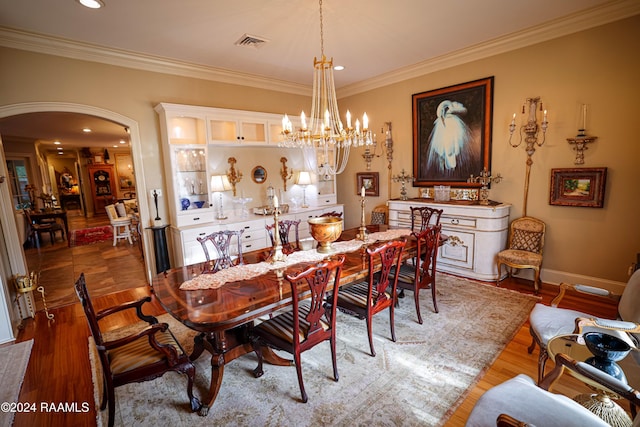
pixel 196 218
pixel 458 221
pixel 326 199
pixel 458 249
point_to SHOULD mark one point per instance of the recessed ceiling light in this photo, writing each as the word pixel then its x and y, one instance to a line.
pixel 92 4
pixel 60 152
pixel 57 142
pixel 115 146
pixel 86 130
pixel 338 67
pixel 59 148
pixel 122 141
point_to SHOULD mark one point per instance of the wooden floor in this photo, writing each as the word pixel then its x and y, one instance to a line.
pixel 59 367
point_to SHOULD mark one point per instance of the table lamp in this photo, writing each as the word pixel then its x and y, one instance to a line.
pixel 304 179
pixel 220 184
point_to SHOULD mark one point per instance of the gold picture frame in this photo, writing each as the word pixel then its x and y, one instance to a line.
pixel 583 187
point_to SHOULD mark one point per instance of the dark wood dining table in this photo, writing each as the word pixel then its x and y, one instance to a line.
pixel 54 214
pixel 224 316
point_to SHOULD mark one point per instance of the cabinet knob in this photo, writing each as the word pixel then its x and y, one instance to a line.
pixel 196 218
pixel 455 221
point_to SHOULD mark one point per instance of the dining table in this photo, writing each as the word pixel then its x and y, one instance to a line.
pixel 224 315
pixel 39 216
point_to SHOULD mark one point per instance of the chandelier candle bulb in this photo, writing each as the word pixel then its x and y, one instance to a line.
pixel 348 120
pixel 513 119
pixel 365 122
pixel 303 121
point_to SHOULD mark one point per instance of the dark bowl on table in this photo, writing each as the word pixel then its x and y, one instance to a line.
pixel 605 346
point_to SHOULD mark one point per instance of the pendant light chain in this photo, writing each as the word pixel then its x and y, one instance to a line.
pixel 321 31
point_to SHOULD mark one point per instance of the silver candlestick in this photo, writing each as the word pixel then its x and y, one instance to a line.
pixel 362 233
pixel 403 178
pixel 278 255
pixel 484 179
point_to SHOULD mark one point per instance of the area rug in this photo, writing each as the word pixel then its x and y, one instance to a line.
pixel 418 380
pixel 87 236
pixel 13 365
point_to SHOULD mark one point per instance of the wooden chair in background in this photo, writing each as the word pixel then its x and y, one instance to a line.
pixel 308 322
pixel 421 272
pixel 224 256
pixel 423 216
pixel 285 226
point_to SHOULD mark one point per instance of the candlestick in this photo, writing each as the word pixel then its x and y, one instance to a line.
pixel 362 191
pixel 362 231
pixel 278 255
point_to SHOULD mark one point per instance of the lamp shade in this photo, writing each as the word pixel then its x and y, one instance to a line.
pixel 220 183
pixel 304 178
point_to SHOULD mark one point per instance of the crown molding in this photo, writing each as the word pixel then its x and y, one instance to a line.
pixel 607 13
pixel 24 40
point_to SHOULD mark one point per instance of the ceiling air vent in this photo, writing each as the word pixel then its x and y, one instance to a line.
pixel 247 40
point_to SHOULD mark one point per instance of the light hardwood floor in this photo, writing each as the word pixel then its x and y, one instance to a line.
pixel 59 367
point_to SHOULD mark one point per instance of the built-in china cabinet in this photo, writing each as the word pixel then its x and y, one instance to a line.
pixel 192 139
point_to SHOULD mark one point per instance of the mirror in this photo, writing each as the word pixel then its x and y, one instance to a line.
pixel 259 174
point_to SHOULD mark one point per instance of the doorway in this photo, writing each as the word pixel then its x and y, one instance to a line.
pixel 118 256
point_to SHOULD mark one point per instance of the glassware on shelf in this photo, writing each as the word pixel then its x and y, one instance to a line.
pixel 244 211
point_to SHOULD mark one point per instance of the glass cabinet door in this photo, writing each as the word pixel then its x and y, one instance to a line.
pixel 191 187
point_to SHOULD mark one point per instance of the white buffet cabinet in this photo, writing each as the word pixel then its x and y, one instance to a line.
pixel 476 234
pixel 187 250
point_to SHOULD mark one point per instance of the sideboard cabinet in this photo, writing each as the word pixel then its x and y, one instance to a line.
pixel 476 233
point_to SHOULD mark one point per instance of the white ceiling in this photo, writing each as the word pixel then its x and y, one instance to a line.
pixel 371 38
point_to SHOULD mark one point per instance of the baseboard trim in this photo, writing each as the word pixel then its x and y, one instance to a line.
pixel 555 277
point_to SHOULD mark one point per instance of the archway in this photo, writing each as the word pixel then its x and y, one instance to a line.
pixel 13 245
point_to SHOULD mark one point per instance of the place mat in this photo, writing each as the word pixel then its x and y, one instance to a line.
pixel 249 271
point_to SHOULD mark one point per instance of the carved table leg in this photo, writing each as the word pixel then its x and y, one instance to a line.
pixel 217 368
pixel 271 357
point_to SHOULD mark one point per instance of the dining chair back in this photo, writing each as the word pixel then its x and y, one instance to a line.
pixel 143 355
pixel 420 273
pixel 308 322
pixel 285 226
pixel 379 215
pixel 332 214
pixel 224 256
pixel 423 216
pixel 367 298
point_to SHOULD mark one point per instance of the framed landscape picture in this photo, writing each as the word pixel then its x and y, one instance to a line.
pixel 452 133
pixel 578 187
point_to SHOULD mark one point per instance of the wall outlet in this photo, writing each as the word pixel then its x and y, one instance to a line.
pixel 157 191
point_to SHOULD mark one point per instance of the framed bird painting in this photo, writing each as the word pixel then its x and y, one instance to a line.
pixel 452 133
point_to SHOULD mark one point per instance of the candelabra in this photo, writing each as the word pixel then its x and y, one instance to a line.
pixel 234 176
pixel 484 179
pixel 581 140
pixel 362 231
pixel 403 178
pixel 278 255
pixel 531 139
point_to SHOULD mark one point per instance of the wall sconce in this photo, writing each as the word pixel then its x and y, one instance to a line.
pixel 369 155
pixel 284 172
pixel 220 184
pixel 304 179
pixel 531 139
pixel 581 140
pixel 233 176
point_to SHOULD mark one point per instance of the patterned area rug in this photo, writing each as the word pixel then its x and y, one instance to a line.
pixel 87 236
pixel 13 365
pixel 418 380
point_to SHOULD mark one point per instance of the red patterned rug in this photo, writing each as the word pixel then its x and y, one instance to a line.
pixel 87 236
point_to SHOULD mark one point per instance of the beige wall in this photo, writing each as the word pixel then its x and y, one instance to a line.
pixel 597 67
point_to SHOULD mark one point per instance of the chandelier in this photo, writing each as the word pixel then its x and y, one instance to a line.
pixel 323 138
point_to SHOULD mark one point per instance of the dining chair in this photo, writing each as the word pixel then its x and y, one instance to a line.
pixel 546 322
pixel 35 229
pixel 224 257
pixel 144 355
pixel 420 272
pixel 285 226
pixel 121 224
pixel 524 251
pixel 308 322
pixel 423 216
pixel 368 298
